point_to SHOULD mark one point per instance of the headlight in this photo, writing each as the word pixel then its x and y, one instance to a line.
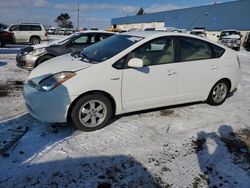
pixel 38 51
pixel 51 82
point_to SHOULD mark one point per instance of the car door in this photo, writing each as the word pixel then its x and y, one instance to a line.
pixel 154 84
pixel 25 33
pixel 197 69
pixel 16 30
pixel 79 43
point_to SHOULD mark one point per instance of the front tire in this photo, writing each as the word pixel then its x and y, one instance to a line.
pixel 2 44
pixel 43 59
pixel 35 40
pixel 218 93
pixel 91 112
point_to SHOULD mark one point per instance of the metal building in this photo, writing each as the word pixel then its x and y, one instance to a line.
pixel 214 17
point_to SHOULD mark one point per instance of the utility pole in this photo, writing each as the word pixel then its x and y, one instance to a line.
pixel 78 15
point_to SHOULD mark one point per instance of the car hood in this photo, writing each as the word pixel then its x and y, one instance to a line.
pixel 43 45
pixel 231 37
pixel 56 65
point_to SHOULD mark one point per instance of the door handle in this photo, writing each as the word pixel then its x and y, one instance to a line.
pixel 213 67
pixel 171 72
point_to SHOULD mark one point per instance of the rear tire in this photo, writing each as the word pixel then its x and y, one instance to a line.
pixel 91 112
pixel 43 59
pixel 35 40
pixel 2 44
pixel 218 93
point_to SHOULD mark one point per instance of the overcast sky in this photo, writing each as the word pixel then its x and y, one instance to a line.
pixel 93 13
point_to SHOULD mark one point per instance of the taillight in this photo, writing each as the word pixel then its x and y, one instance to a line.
pixel 46 34
pixel 6 34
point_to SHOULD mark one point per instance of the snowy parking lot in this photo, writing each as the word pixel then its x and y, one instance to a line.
pixel 192 145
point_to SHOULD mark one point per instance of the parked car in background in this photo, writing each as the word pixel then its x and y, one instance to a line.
pixel 30 57
pixel 166 29
pixel 116 30
pixel 246 43
pixel 3 26
pixel 6 37
pixel 31 32
pixel 230 38
pixel 54 30
pixel 199 31
pixel 62 31
pixel 130 72
pixel 69 31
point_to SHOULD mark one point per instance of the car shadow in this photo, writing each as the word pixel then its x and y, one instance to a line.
pixel 165 108
pixel 94 171
pixel 27 164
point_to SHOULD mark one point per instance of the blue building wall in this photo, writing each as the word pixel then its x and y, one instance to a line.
pixel 229 15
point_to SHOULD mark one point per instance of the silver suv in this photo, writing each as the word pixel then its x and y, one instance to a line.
pixel 230 38
pixel 33 33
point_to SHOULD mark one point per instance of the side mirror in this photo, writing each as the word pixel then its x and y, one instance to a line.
pixel 135 63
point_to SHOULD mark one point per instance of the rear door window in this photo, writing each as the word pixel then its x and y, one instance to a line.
pixel 36 28
pixel 193 49
pixel 25 27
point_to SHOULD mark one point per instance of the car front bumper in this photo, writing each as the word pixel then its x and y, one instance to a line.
pixel 46 106
pixel 231 45
pixel 26 61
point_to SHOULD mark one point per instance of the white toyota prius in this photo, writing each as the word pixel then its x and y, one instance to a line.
pixel 130 72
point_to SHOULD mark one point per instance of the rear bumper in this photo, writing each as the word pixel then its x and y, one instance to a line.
pixel 231 45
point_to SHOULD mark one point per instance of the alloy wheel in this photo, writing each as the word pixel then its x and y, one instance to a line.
pixel 219 92
pixel 92 113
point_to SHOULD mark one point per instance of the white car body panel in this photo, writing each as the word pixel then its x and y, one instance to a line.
pixel 132 89
pixel 136 93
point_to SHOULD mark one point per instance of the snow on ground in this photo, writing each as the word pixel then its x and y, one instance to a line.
pixel 194 145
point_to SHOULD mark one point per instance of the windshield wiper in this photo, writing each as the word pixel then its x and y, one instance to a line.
pixel 85 58
pixel 76 54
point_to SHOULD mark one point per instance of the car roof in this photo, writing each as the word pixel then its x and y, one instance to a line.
pixel 150 34
pixel 156 34
pixel 95 31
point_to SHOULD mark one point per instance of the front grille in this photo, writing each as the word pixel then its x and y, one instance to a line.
pixel 32 84
pixel 229 41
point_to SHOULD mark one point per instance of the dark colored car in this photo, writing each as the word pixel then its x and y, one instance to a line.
pixel 246 43
pixel 6 37
pixel 30 57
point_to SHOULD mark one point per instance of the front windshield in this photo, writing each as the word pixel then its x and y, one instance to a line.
pixel 108 48
pixel 197 33
pixel 227 33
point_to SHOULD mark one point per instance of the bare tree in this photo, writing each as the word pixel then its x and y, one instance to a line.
pixel 63 20
pixel 140 12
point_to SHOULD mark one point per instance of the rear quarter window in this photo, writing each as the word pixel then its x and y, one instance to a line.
pixel 217 51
